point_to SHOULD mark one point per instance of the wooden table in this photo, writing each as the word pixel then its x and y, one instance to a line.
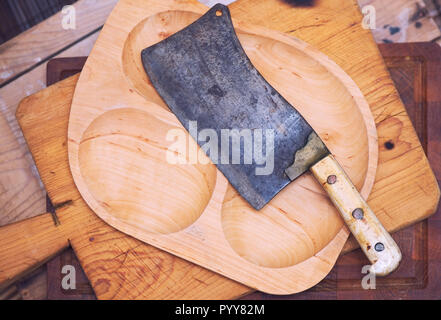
pixel 22 72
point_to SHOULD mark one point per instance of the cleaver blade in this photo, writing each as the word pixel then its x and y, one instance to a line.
pixel 207 80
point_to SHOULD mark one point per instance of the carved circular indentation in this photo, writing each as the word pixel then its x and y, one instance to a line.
pixel 123 160
pixel 281 234
pixel 148 32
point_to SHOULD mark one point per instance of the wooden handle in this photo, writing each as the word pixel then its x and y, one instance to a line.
pixel 376 242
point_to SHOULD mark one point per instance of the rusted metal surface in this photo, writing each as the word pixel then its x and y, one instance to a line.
pixel 310 154
pixel 204 75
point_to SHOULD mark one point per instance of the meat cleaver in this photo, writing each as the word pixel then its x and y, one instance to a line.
pixel 209 83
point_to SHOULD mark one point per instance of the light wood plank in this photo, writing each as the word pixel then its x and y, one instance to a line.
pixel 22 194
pixel 18 240
pixel 338 34
pixel 126 179
pixel 47 38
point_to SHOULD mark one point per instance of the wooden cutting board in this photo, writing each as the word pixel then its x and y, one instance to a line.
pixel 418 276
pixel 119 149
pixel 109 279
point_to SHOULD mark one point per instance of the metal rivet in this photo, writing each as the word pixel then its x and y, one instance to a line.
pixel 389 145
pixel 358 213
pixel 332 179
pixel 379 247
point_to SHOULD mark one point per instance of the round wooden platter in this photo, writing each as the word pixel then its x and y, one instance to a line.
pixel 117 142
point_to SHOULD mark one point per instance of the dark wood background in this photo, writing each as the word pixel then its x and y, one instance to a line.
pixel 17 16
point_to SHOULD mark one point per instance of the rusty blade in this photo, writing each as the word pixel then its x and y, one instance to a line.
pixel 204 75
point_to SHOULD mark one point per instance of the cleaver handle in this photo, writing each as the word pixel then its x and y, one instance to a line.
pixel 374 240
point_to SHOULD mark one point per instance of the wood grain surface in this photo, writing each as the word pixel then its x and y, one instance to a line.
pixel 20 239
pixel 372 78
pixel 118 266
pixel 23 62
pixel 121 166
pixel 341 39
pixel 23 195
pixel 57 70
pixel 417 277
pixel 23 52
pixel 413 68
